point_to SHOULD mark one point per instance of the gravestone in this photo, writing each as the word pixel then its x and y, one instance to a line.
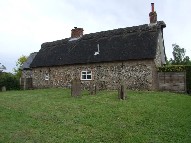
pixel 93 89
pixel 122 92
pixel 76 87
pixel 3 89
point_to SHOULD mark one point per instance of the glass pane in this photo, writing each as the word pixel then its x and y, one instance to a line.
pixel 89 77
pixel 88 72
pixel 46 76
pixel 83 72
pixel 83 76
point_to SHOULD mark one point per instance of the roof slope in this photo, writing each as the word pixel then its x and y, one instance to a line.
pixel 26 65
pixel 138 42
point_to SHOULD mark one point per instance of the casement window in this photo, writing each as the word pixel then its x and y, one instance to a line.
pixel 46 76
pixel 86 75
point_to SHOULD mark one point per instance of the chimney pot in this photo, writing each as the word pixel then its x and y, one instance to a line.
pixel 152 6
pixel 153 15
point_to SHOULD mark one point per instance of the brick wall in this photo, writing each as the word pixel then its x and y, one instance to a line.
pixel 172 81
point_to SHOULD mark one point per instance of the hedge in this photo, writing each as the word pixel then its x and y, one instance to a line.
pixel 174 68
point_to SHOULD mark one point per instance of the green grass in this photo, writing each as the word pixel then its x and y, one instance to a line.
pixel 52 115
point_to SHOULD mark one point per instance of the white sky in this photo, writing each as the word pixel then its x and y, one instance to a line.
pixel 26 24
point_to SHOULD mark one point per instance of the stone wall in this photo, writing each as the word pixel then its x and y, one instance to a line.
pixel 160 51
pixel 135 75
pixel 26 79
pixel 26 74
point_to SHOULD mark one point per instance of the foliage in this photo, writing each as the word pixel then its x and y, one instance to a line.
pixel 2 67
pixel 19 64
pixel 9 80
pixel 172 68
pixel 181 63
pixel 179 57
pixel 52 115
pixel 188 78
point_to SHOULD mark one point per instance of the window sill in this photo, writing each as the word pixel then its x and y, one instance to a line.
pixel 86 79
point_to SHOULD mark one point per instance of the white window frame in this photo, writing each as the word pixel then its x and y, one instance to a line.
pixel 46 76
pixel 85 74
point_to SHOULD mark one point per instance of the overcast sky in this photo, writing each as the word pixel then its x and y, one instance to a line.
pixel 26 24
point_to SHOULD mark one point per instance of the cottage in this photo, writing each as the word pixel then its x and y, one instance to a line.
pixel 131 54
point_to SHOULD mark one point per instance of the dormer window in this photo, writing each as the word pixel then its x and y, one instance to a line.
pixel 86 75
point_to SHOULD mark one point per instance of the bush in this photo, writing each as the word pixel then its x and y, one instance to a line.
pixel 9 81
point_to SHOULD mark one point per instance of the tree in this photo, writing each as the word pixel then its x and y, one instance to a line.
pixel 2 67
pixel 179 56
pixel 19 64
pixel 187 60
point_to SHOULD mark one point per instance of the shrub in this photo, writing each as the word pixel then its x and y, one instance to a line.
pixel 9 80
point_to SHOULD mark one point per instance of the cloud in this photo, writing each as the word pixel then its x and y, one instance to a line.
pixel 26 24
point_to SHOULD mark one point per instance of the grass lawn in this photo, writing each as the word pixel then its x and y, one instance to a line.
pixel 52 115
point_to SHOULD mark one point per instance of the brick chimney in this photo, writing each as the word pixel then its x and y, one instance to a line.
pixel 153 15
pixel 76 32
